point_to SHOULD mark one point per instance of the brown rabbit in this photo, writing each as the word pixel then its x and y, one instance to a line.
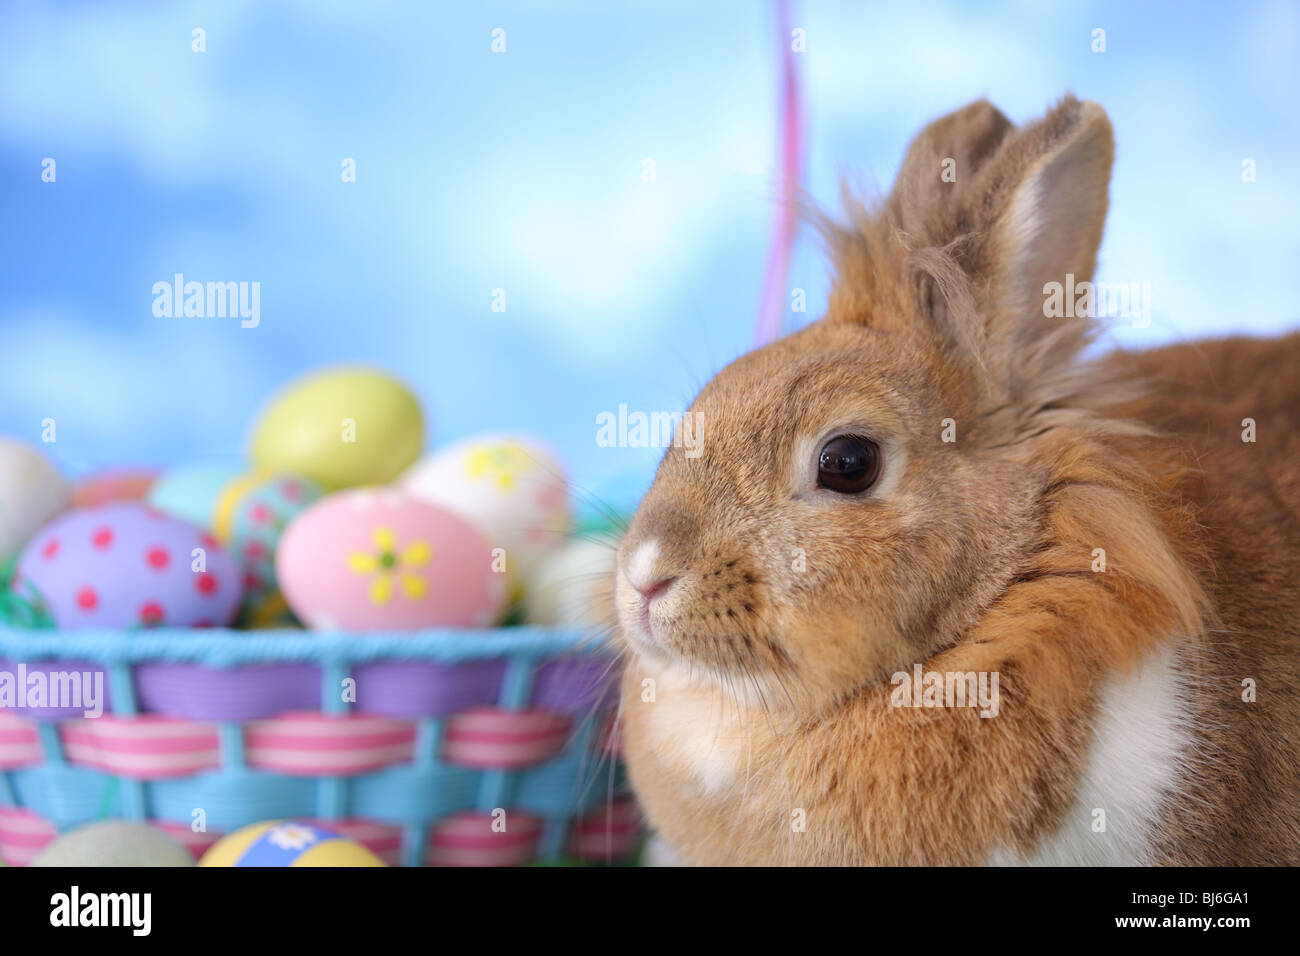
pixel 930 482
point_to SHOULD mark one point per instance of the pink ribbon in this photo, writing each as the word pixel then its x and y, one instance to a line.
pixel 771 303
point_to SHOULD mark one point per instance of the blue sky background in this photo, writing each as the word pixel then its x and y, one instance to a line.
pixel 522 171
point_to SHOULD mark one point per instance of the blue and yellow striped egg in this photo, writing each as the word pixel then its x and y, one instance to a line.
pixel 287 843
pixel 246 512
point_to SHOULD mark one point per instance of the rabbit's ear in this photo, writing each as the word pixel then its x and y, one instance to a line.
pixel 986 216
pixel 927 209
pixel 1032 214
pixel 1044 209
pixel 940 169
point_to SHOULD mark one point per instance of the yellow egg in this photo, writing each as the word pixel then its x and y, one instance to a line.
pixel 341 427
pixel 287 843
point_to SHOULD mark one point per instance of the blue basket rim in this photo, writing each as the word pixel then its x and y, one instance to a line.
pixel 221 647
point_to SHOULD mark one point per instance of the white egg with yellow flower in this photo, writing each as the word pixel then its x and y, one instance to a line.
pixel 574 587
pixel 31 493
pixel 513 488
pixel 381 559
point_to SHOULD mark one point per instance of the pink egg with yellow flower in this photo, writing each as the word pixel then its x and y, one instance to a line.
pixel 380 559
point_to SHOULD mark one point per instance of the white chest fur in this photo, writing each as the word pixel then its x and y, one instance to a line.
pixel 1140 750
pixel 692 728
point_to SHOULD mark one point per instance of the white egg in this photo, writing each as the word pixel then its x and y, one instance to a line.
pixel 31 493
pixel 574 587
pixel 512 488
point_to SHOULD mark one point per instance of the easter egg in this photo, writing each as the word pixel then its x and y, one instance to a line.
pixel 340 427
pixel 116 485
pixel 246 512
pixel 190 492
pixel 251 516
pixel 512 488
pixel 125 565
pixel 287 843
pixel 114 843
pixel 573 587
pixel 31 493
pixel 380 559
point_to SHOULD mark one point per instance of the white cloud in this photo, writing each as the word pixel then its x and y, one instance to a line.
pixel 105 389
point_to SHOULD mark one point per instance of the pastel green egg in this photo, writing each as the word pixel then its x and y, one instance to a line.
pixel 114 843
pixel 341 427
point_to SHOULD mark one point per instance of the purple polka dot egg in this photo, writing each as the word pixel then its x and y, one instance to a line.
pixel 128 565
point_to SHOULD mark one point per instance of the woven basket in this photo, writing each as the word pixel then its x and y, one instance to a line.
pixel 207 731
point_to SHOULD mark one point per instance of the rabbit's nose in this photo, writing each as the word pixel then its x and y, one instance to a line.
pixel 655 589
pixel 643 572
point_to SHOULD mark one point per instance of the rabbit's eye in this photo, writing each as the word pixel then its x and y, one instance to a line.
pixel 848 464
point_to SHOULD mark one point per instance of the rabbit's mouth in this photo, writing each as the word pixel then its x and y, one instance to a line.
pixel 636 595
pixel 706 617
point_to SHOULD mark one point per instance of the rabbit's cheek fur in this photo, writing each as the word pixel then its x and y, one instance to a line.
pixel 787 594
pixel 717 614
